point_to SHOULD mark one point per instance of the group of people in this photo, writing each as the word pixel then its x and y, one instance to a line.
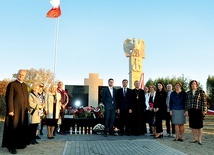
pixel 25 112
pixel 136 107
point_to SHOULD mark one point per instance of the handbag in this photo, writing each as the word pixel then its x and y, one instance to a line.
pixel 34 109
pixel 44 114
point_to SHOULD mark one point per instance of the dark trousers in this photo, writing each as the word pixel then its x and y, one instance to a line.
pixel 149 119
pixel 168 120
pixel 109 120
pixel 125 122
pixel 62 126
pixel 159 118
pixel 32 131
pixel 42 123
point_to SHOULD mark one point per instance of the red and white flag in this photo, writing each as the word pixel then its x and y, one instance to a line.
pixel 142 81
pixel 55 11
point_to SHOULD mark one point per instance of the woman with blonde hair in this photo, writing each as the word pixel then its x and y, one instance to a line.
pixel 34 118
pixel 52 107
pixel 150 97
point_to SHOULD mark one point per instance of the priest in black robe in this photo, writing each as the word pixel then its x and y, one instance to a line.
pixel 139 108
pixel 16 120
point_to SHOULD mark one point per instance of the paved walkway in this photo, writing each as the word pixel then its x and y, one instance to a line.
pixel 116 145
pixel 97 145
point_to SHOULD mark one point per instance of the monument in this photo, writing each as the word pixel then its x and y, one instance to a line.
pixel 89 94
pixel 78 95
pixel 135 50
pixel 93 82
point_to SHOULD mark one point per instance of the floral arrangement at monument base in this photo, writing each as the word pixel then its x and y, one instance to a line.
pixel 85 112
pixel 116 130
pixel 99 129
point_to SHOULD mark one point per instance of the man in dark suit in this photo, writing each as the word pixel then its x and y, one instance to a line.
pixel 139 108
pixel 109 101
pixel 124 107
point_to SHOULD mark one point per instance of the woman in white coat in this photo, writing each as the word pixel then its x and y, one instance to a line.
pixel 52 106
pixel 150 97
pixel 34 117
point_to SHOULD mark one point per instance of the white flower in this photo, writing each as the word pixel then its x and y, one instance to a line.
pixel 98 127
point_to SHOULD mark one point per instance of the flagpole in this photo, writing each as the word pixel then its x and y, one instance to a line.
pixel 56 46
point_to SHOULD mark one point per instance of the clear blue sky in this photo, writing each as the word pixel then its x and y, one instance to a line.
pixel 178 34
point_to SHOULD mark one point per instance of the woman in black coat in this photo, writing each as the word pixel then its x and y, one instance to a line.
pixel 160 108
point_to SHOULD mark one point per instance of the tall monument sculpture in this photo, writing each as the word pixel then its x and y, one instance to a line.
pixel 135 50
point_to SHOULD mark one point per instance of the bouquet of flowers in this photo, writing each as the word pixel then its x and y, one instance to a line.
pixel 79 113
pixel 69 111
pixel 97 113
pixel 88 112
pixel 102 108
pixel 99 128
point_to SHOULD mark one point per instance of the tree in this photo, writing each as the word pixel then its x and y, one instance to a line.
pixel 184 81
pixel 210 91
pixel 150 82
pixel 3 87
pixel 32 76
pixel 38 76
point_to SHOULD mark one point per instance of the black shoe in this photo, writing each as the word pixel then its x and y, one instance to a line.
pixel 160 136
pixel 12 151
pixel 111 133
pixel 32 142
pixel 195 141
pixel 35 141
pixel 22 147
pixel 135 133
pixel 37 137
pixel 41 133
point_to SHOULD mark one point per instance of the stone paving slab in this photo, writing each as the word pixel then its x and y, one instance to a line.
pixel 118 147
pixel 98 145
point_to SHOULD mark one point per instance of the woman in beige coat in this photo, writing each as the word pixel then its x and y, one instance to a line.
pixel 52 106
pixel 34 118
